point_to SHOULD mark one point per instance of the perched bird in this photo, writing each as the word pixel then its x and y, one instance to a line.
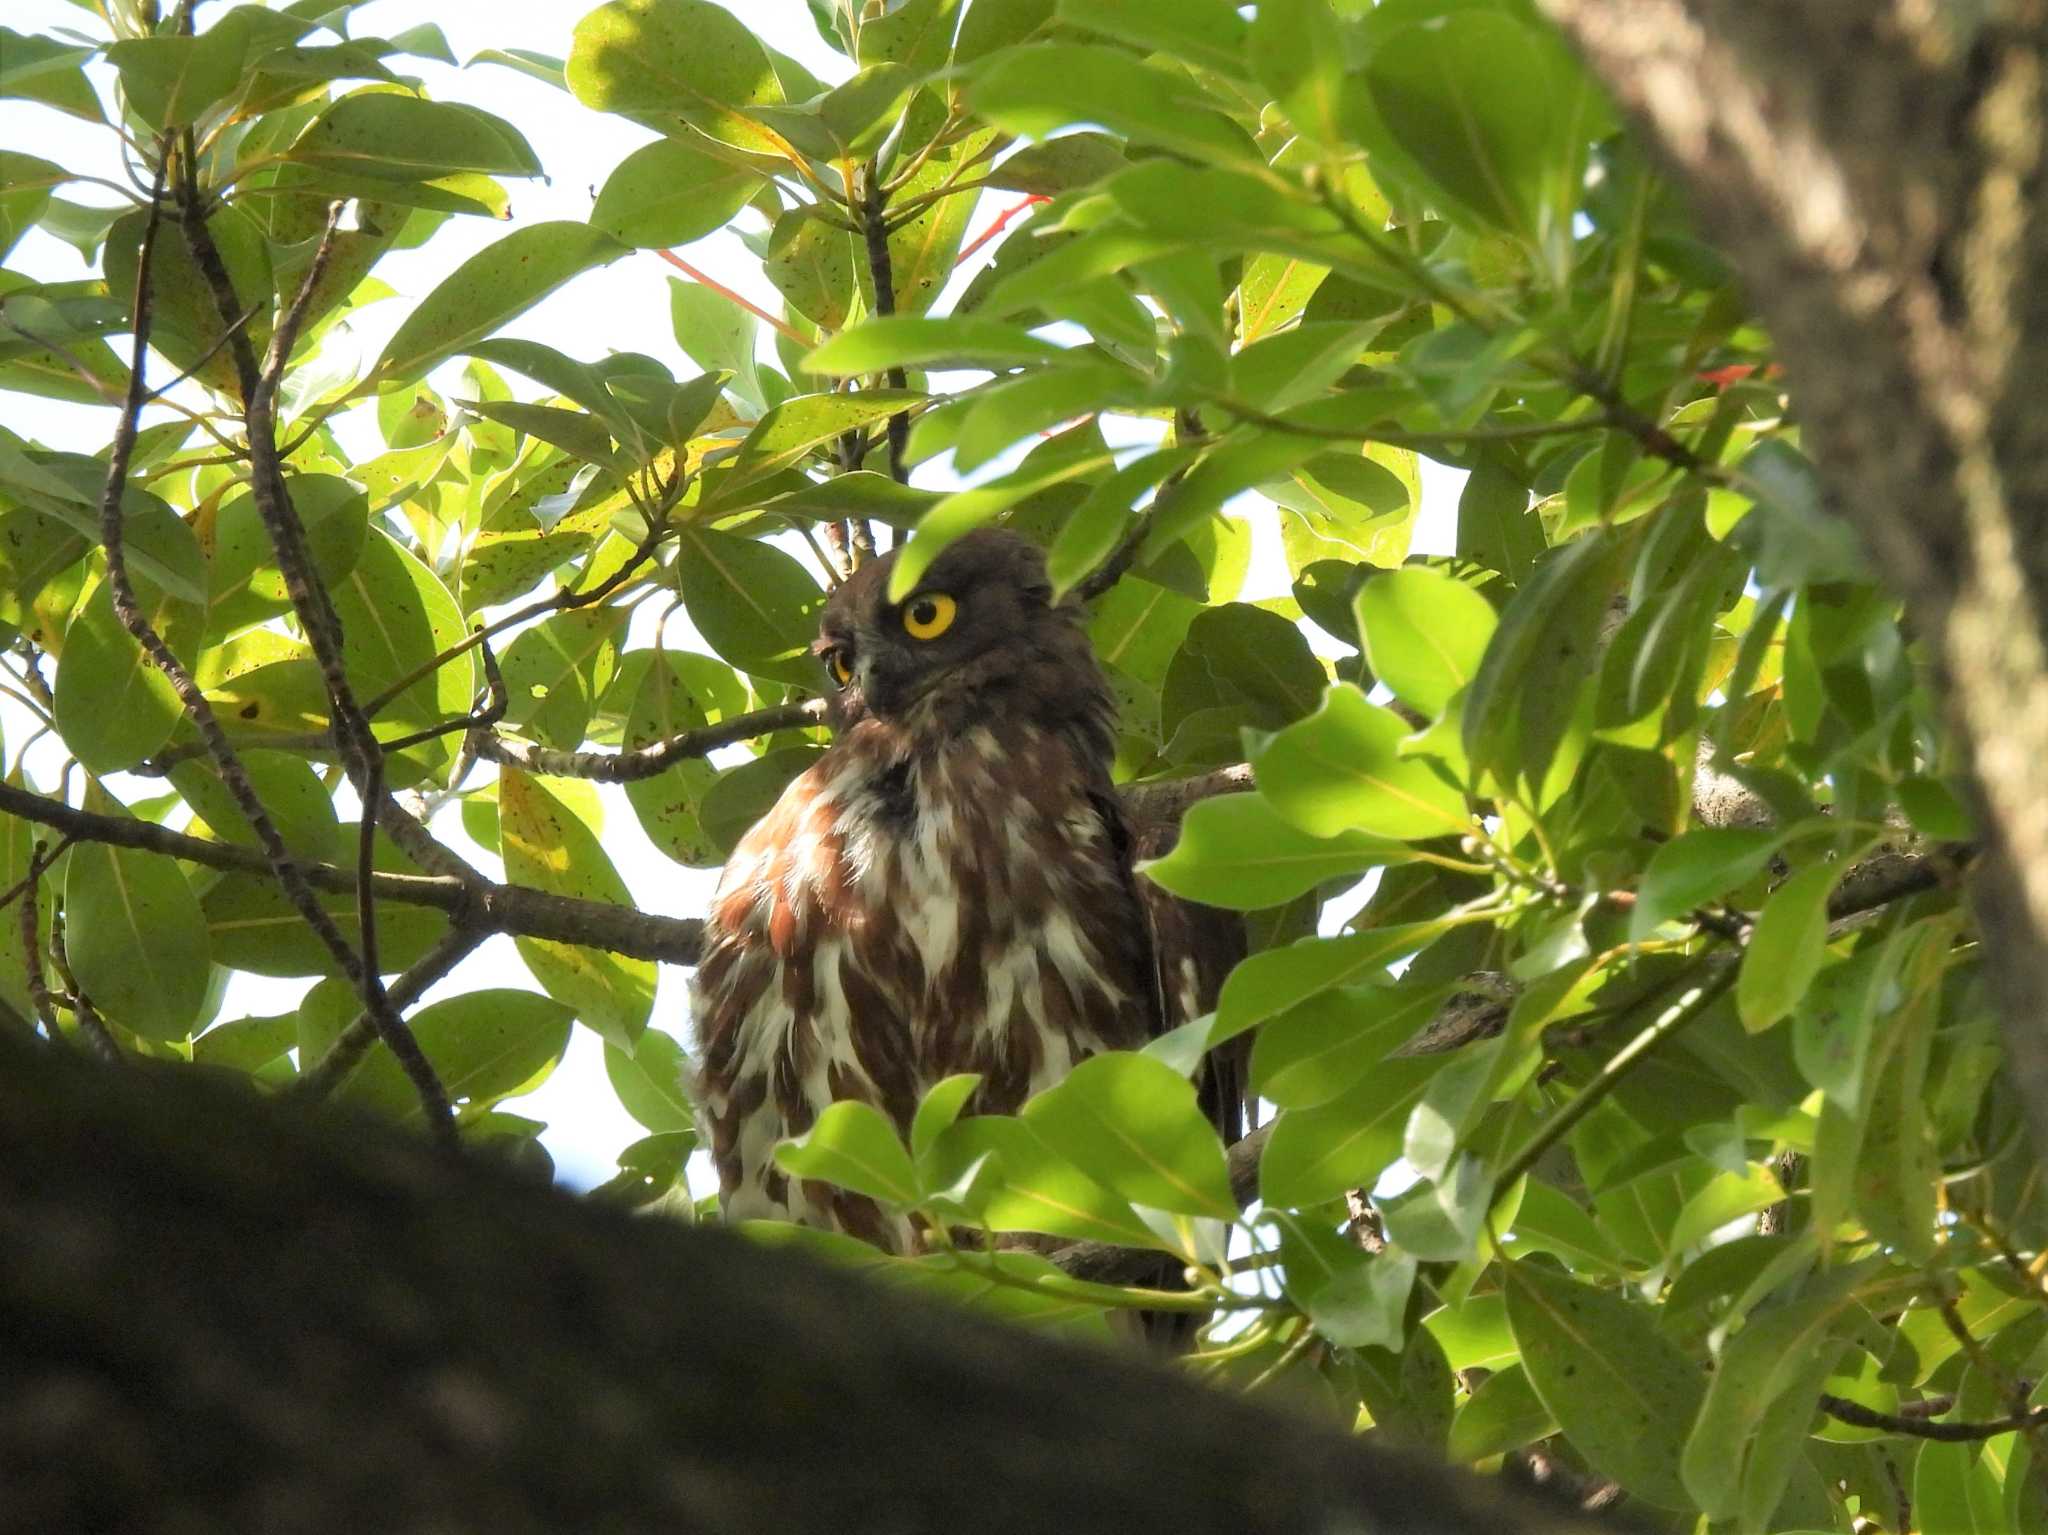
pixel 949 888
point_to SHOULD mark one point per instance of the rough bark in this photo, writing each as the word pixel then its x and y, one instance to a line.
pixel 1873 171
pixel 218 1314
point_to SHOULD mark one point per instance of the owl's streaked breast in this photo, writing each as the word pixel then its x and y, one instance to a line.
pixel 904 913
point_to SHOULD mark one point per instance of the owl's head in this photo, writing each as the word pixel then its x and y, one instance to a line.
pixel 978 636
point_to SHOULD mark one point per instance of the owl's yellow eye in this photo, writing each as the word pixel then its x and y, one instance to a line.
pixel 929 616
pixel 837 664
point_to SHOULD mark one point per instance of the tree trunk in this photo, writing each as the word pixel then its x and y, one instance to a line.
pixel 220 1316
pixel 1873 171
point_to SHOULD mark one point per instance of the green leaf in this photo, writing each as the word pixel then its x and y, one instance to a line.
pixel 1209 33
pixel 1354 1301
pixel 389 135
pixel 718 336
pixel 683 60
pixel 497 283
pixel 1550 1221
pixel 915 34
pixel 1438 1218
pixel 1058 165
pixel 782 437
pixel 939 1109
pixel 1322 1046
pixel 1729 1197
pixel 649 1081
pixel 548 847
pixel 1133 1122
pixel 1497 526
pixel 1699 867
pixel 1521 700
pixel 170 81
pixel 1342 507
pixel 1269 983
pixel 922 250
pixel 1345 1143
pixel 1424 632
pixel 396 616
pixel 669 193
pixel 1474 1333
pixel 1237 852
pixel 1066 458
pixel 911 341
pixel 854 1145
pixel 557 670
pixel 1957 1492
pixel 18 838
pixel 136 939
pixel 679 691
pixel 1493 112
pixel 1297 51
pixel 25 183
pixel 1898 1168
pixel 811 263
pixel 1623 1393
pixel 255 927
pixel 1028 1186
pixel 1504 1414
pixel 187 325
pixel 1038 88
pixel 1787 948
pixel 300 805
pixel 1261 657
pixel 1785 1351
pixel 484 1045
pixel 67 486
pixel 1341 769
pixel 247 587
pixel 247 1044
pixel 35 68
pixel 1408 1394
pixel 112 706
pixel 754 605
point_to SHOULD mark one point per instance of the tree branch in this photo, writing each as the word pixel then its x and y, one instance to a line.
pixel 316 616
pixel 646 761
pixel 1875 180
pixel 484 905
pixel 1922 1428
pixel 874 225
pixel 339 1324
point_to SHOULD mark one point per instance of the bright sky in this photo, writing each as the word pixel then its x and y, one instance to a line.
pixel 621 307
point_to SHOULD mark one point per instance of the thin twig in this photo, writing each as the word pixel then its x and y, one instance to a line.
pixel 1187 428
pixel 205 357
pixel 519 910
pixel 562 601
pixel 323 632
pixel 647 761
pixel 36 866
pixel 318 1081
pixel 752 308
pixel 875 230
pixel 1561 1124
pixel 32 941
pixel 91 1026
pixel 1856 1414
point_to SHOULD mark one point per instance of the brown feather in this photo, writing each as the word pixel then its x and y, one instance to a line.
pixel 949 888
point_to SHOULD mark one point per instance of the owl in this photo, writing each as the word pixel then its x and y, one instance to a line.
pixel 949 888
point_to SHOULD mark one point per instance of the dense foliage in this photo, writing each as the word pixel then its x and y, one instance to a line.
pixel 1706 1181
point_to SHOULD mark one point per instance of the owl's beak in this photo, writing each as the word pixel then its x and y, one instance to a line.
pixel 883 686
